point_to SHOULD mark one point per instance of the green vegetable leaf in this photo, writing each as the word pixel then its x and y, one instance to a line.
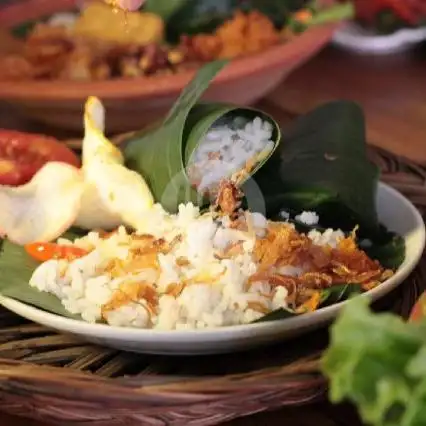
pixel 322 165
pixel 161 156
pixel 203 116
pixel 157 156
pixel 329 297
pixel 378 362
pixel 164 8
pixel 276 315
pixel 320 16
pixel 195 16
pixel 335 13
pixel 338 293
pixel 16 268
pixel 389 250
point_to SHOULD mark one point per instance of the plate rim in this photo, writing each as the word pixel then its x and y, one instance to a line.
pixel 368 41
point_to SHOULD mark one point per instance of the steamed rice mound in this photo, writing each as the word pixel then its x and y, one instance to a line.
pixel 192 271
pixel 229 148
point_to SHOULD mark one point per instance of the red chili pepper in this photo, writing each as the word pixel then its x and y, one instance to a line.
pixel 419 311
pixel 47 251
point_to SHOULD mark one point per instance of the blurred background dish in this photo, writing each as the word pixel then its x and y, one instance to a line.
pixel 138 63
pixel 358 39
pixel 384 26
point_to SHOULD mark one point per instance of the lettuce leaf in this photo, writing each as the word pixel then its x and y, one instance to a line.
pixel 378 362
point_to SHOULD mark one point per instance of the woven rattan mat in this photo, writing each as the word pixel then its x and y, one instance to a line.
pixel 58 378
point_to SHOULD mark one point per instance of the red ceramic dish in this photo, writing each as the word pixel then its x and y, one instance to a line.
pixel 133 103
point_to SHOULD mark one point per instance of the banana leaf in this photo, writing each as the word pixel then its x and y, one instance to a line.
pixel 386 247
pixel 161 156
pixel 16 269
pixel 276 315
pixel 338 293
pixel 322 165
pixel 329 296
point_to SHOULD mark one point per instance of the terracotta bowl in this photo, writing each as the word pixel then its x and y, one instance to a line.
pixel 131 104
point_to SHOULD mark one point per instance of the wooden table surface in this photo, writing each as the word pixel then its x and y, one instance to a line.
pixel 392 91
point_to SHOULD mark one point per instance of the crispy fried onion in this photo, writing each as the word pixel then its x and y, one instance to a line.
pixel 325 266
pixel 316 268
pixel 135 292
pixel 143 255
pixel 228 199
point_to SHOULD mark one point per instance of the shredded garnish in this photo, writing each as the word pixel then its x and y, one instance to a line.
pixel 284 258
pixel 228 199
pixel 133 292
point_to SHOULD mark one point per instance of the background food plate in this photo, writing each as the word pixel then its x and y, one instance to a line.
pixel 355 38
pixel 395 212
pixel 136 103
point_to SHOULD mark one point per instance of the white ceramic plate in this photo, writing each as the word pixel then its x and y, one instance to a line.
pixel 357 39
pixel 395 212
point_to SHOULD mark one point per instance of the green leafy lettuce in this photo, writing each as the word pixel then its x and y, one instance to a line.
pixel 378 362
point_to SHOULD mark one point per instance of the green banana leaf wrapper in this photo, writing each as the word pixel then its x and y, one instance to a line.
pixel 161 156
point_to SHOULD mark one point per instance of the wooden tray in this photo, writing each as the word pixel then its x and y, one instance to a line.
pixel 57 378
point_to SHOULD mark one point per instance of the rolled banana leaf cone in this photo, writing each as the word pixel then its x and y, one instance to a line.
pixel 162 156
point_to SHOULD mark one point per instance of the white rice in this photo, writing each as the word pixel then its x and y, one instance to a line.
pixel 226 149
pixel 218 296
pixel 308 218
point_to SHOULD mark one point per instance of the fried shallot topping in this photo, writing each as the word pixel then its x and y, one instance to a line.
pixel 242 35
pixel 133 292
pixel 325 266
pixel 283 256
pixel 228 199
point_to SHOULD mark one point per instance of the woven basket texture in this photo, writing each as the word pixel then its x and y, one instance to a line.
pixel 57 378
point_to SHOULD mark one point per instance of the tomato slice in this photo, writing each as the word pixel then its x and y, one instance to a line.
pixel 22 155
pixel 47 251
